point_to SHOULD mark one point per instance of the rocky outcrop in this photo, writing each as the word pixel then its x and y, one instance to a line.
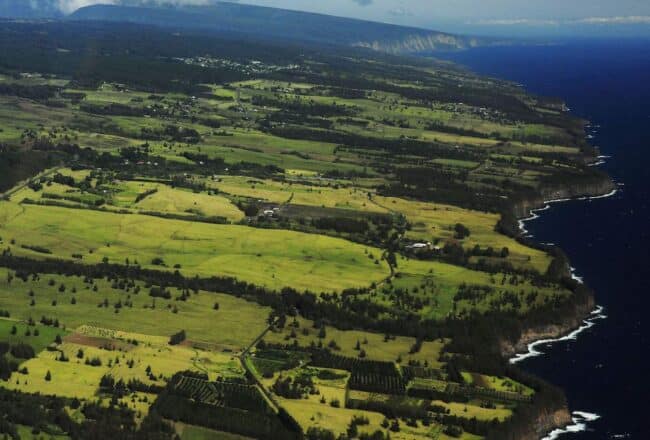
pixel 547 422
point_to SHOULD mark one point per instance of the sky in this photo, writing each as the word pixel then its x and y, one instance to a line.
pixel 481 17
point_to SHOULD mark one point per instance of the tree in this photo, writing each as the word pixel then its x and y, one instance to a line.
pixel 58 340
pixel 177 338
pixel 48 376
pixel 461 231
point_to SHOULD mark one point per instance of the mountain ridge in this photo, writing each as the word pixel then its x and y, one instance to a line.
pixel 282 24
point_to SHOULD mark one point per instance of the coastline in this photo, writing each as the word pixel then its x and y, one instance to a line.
pixel 564 420
pixel 579 421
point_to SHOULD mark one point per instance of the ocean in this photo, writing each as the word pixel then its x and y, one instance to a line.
pixel 603 368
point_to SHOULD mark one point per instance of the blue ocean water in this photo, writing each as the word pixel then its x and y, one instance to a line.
pixel 605 370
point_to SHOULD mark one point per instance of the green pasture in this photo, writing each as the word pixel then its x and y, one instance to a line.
pixel 234 325
pixel 374 344
pixel 26 334
pixel 265 257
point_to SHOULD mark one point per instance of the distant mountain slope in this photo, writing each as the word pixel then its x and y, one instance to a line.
pixel 279 23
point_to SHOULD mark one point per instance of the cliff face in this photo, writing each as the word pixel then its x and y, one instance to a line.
pixel 419 43
pixel 549 331
pixel 547 422
pixel 606 185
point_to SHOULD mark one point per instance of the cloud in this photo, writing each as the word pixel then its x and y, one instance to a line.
pixel 631 19
pixel 363 2
pixel 622 20
pixel 515 22
pixel 69 6
pixel 400 12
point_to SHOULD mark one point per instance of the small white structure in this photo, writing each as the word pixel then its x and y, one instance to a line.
pixel 418 246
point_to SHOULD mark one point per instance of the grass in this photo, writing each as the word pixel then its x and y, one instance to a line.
pixel 191 432
pixel 473 409
pixel 46 335
pixel 497 383
pixel 233 326
pixel 68 379
pixel 373 344
pixel 168 199
pixel 281 258
pixel 27 433
pixel 272 258
pixel 311 412
pixel 76 379
pixel 441 282
pixel 298 194
pixel 431 222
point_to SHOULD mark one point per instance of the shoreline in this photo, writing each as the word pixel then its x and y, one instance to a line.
pixel 579 419
pixel 589 322
pixel 547 204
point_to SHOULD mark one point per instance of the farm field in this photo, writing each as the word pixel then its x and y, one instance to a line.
pixel 189 432
pixel 206 238
pixel 283 258
pixel 105 305
pixel 374 344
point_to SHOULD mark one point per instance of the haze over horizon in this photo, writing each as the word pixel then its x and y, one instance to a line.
pixel 481 17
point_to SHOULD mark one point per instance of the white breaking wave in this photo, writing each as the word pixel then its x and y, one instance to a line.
pixel 547 205
pixel 575 276
pixel 532 352
pixel 604 196
pixel 579 423
pixel 580 419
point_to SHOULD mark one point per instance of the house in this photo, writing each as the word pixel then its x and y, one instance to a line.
pixel 418 246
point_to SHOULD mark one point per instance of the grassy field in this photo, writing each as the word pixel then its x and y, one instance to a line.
pixel 168 199
pixel 313 413
pixel 282 258
pixel 234 325
pixel 497 383
pixel 374 344
pixel 470 409
pixel 75 378
pixel 431 222
pixel 46 335
pixel 190 432
pixel 440 281
pixel 298 194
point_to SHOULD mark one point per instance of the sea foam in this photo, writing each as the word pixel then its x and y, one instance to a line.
pixel 580 419
pixel 532 348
